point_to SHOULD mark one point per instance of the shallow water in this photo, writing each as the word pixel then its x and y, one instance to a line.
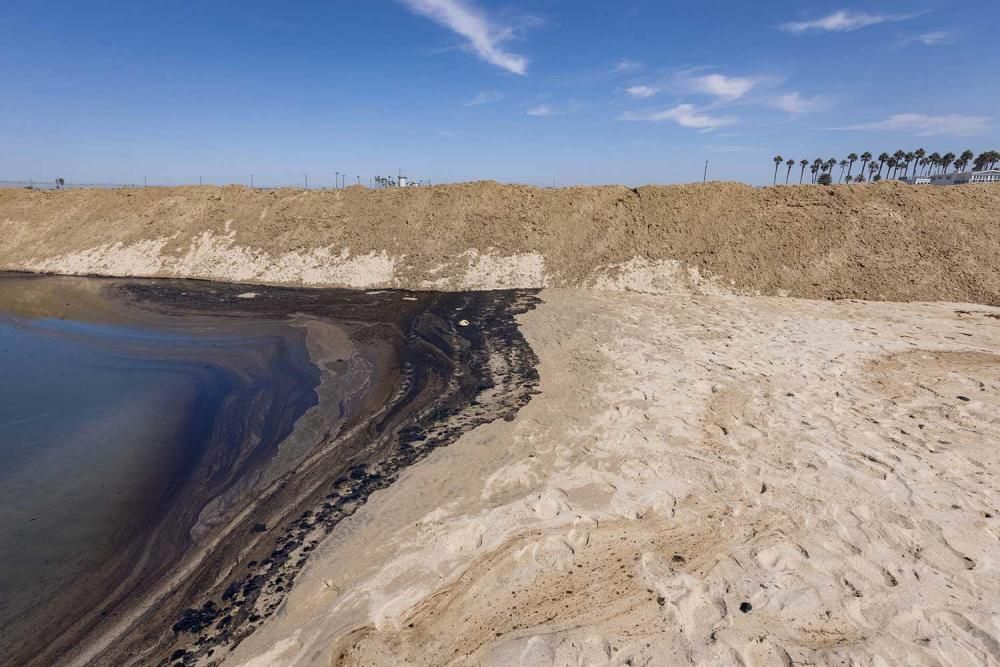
pixel 171 451
pixel 102 425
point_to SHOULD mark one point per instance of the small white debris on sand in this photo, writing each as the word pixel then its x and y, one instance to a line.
pixel 248 295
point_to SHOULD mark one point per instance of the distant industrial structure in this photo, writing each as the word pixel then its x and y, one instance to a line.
pixel 400 181
pixel 956 178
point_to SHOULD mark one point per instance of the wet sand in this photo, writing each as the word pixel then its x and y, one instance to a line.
pixel 294 405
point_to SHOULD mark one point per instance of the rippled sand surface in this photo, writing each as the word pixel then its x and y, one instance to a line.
pixel 702 480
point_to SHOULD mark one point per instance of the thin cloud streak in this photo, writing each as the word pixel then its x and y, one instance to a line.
pixel 541 110
pixel 621 67
pixel 641 92
pixel 483 36
pixel 546 109
pixel 795 104
pixel 625 65
pixel 685 115
pixel 485 97
pixel 936 38
pixel 956 125
pixel 842 21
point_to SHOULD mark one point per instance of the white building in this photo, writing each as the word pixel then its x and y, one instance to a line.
pixel 957 178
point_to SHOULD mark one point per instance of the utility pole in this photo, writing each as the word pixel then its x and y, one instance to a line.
pixel 199 181
pixel 145 182
pixel 704 177
pixel 336 180
pixel 359 180
pixel 251 181
pixel 307 181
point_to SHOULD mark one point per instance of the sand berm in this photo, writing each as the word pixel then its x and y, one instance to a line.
pixel 884 241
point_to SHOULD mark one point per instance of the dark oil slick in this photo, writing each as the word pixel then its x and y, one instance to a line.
pixel 173 450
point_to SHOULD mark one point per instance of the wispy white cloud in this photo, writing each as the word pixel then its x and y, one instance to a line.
pixel 795 104
pixel 541 110
pixel 484 36
pixel 621 67
pixel 724 87
pixel 485 97
pixel 625 66
pixel 551 109
pixel 685 115
pixel 956 125
pixel 936 38
pixel 842 20
pixel 642 92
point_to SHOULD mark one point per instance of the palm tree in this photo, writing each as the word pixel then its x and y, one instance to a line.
pixel 946 160
pixel 935 160
pixel 843 166
pixel 872 168
pixel 986 160
pixel 803 164
pixel 882 159
pixel 814 168
pixel 865 158
pixel 891 166
pixel 830 164
pixel 910 157
pixel 777 161
pixel 966 158
pixel 923 162
pixel 789 164
pixel 900 157
pixel 851 157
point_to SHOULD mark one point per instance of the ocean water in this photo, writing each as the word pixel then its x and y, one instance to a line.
pixel 104 430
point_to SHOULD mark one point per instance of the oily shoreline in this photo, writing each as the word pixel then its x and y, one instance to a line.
pixel 446 379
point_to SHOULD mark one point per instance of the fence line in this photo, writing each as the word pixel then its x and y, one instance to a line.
pixel 51 185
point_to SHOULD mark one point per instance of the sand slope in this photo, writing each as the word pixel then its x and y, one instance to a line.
pixel 885 241
pixel 818 461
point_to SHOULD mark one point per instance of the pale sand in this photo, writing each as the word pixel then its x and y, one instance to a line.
pixel 686 455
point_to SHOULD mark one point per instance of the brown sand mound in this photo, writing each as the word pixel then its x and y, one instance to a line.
pixel 885 241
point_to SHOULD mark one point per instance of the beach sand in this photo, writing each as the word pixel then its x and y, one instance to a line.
pixel 702 480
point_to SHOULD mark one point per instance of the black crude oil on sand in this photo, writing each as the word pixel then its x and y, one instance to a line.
pixel 174 450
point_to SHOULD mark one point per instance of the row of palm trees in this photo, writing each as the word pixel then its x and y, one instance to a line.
pixel 896 165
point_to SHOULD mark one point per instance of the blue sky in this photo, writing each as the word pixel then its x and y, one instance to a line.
pixel 575 91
